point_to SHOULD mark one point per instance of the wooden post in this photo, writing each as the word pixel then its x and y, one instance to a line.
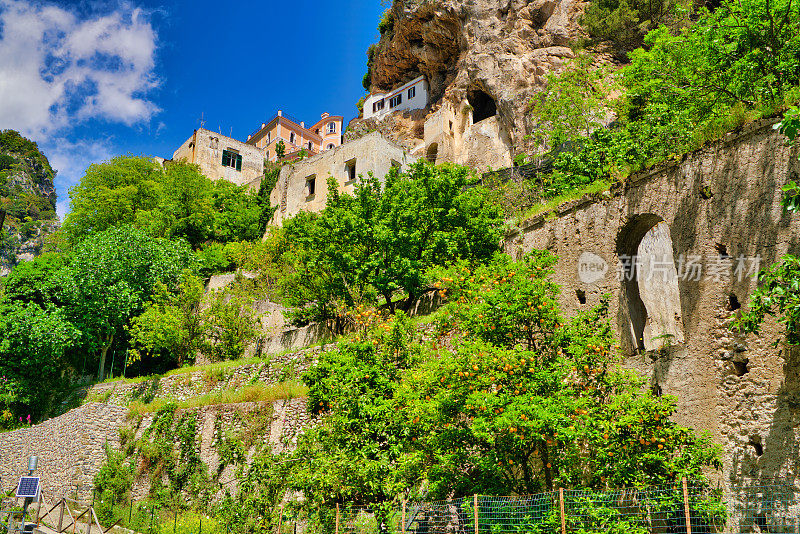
pixel 89 519
pixel 561 507
pixel 337 518
pixel 403 519
pixel 475 509
pixel 280 520
pixel 61 515
pixel 686 506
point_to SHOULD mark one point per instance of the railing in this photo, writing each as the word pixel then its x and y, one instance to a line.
pixel 67 515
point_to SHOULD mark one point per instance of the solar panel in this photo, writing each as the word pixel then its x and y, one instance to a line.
pixel 28 487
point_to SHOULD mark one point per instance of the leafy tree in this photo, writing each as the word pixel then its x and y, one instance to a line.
pixel 549 406
pixel 356 456
pixel 111 194
pixel 36 281
pixel 625 22
pixel 790 127
pixel 172 322
pixel 111 278
pixel 230 324
pixel 382 240
pixel 174 201
pixel 572 106
pixel 33 343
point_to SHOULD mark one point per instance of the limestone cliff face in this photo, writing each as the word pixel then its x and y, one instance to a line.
pixel 500 48
pixel 27 198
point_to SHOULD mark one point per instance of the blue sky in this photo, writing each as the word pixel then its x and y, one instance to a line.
pixel 89 80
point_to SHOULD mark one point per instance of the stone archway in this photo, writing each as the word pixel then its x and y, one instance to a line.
pixel 483 105
pixel 432 153
pixel 650 296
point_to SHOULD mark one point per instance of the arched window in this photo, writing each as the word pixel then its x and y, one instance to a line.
pixel 330 146
pixel 292 137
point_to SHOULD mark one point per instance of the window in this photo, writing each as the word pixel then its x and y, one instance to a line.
pixel 231 158
pixel 330 146
pixel 331 127
pixel 311 185
pixel 412 92
pixel 269 134
pixel 309 145
pixel 292 137
pixel 395 101
pixel 316 131
pixel 377 106
pixel 350 170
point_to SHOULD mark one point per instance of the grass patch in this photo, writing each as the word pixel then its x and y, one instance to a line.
pixel 249 393
pixel 553 203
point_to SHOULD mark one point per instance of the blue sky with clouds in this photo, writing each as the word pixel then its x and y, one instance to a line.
pixel 89 79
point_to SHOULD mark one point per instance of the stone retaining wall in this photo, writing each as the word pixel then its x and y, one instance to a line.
pixel 70 448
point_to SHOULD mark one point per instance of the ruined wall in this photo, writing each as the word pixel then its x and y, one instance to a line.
pixel 721 207
pixel 370 153
pixel 205 147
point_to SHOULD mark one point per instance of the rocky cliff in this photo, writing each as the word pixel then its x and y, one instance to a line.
pixel 27 199
pixel 487 53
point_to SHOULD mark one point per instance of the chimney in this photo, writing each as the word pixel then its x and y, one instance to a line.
pixel 262 124
pixel 302 124
pixel 280 113
pixel 326 115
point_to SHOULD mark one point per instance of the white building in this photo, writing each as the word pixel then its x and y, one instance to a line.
pixel 411 95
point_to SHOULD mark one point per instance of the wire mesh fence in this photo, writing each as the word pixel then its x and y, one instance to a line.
pixel 673 509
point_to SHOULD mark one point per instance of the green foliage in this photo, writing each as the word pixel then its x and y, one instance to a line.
pixel 175 201
pixel 268 183
pixel 625 23
pixel 509 398
pixel 33 343
pixel 790 127
pixel 6 161
pixel 542 405
pixel 778 295
pixel 354 387
pixel 280 149
pixel 382 240
pixel 255 508
pixel 230 324
pixel 366 82
pixel 387 22
pixel 572 106
pixel 114 480
pixel 171 323
pixel 111 278
pixel 35 281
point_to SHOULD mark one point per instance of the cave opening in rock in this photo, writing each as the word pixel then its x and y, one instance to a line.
pixel 581 296
pixel 650 295
pixel 740 367
pixel 733 302
pixel 483 105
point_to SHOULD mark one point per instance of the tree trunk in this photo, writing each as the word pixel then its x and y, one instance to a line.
pixel 103 352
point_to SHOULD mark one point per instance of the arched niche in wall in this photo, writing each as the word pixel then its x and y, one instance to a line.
pixel 650 296
pixel 432 153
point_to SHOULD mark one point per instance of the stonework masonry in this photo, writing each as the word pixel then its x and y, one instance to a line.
pixel 70 448
pixel 205 148
pixel 720 207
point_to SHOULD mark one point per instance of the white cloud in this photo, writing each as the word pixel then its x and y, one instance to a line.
pixel 57 70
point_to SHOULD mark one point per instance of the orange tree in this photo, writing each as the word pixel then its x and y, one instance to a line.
pixel 527 401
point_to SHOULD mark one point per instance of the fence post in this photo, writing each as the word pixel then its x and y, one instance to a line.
pixel 175 524
pixel 686 511
pixel 561 507
pixel 280 520
pixel 61 515
pixel 475 510
pixel 337 518
pixel 403 519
